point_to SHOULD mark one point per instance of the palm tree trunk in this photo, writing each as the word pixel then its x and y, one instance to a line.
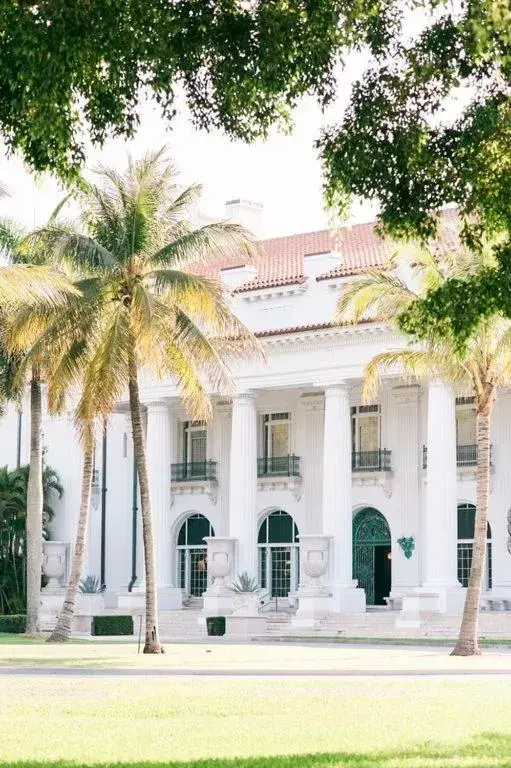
pixel 35 508
pixel 62 630
pixel 152 637
pixel 467 644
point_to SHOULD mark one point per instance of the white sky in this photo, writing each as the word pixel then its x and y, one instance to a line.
pixel 283 173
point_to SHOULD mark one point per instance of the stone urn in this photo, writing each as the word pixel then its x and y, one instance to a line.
pixel 54 563
pixel 220 559
pixel 218 598
pixel 314 553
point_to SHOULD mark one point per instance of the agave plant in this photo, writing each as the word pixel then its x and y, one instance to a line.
pixel 91 585
pixel 244 583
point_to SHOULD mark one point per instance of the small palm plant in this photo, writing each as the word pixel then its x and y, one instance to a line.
pixel 91 585
pixel 244 583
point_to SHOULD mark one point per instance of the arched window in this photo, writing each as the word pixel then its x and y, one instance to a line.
pixel 192 560
pixel 278 554
pixel 466 524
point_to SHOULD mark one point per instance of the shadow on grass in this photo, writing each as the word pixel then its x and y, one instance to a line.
pixel 488 749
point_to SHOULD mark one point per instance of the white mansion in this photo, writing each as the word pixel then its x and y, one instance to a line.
pixel 294 467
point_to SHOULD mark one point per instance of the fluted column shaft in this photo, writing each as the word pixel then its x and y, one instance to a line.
pixel 440 523
pixel 158 448
pixel 337 513
pixel 243 482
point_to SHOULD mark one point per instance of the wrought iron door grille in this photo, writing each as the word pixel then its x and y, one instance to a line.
pixel 371 461
pixel 193 470
pixel 286 466
pixel 280 571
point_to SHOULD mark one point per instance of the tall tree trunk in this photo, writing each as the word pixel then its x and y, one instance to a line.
pixel 62 631
pixel 152 637
pixel 35 508
pixel 468 644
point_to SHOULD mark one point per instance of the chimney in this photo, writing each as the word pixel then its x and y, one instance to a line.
pixel 246 213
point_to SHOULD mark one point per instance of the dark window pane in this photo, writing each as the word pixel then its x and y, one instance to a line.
pixel 181 539
pixel 261 539
pixel 198 528
pixel 280 528
pixel 466 520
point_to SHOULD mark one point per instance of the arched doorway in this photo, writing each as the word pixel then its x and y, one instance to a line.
pixel 278 554
pixel 192 562
pixel 466 525
pixel 372 555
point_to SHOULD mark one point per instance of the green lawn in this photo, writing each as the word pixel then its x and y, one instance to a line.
pixel 255 723
pixel 250 656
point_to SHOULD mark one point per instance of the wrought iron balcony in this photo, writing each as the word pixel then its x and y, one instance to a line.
pixel 466 456
pixel 371 461
pixel 278 466
pixel 193 470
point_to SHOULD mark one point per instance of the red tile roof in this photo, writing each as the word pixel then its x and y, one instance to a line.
pixel 280 261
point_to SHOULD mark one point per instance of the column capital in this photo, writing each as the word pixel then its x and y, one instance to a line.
pixel 248 396
pixel 339 389
pixel 438 383
pixel 157 406
pixel 312 402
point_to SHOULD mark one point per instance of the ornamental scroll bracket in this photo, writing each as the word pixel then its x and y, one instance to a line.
pixel 509 531
pixel 407 544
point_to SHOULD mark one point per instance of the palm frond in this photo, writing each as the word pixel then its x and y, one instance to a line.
pixel 205 244
pixel 377 295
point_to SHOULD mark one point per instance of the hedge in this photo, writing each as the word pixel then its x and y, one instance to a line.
pixel 215 626
pixel 15 624
pixel 112 625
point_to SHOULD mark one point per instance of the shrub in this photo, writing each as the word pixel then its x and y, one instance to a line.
pixel 112 625
pixel 15 624
pixel 215 626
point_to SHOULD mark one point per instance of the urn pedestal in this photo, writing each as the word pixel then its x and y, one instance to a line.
pixel 314 599
pixel 218 598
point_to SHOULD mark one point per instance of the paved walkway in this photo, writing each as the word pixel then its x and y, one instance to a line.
pixel 338 673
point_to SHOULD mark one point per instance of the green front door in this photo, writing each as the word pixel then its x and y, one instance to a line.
pixel 371 555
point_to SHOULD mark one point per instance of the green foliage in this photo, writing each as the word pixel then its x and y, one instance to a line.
pixel 66 66
pixel 15 624
pixel 91 585
pixel 112 625
pixel 410 143
pixel 13 504
pixel 244 583
pixel 215 626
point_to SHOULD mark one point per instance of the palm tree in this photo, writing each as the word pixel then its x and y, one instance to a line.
pixel 29 258
pixel 484 367
pixel 142 309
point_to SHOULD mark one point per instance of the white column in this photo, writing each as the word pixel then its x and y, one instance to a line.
pixel 440 522
pixel 337 504
pixel 243 482
pixel 223 411
pixel 500 500
pixel 159 457
pixel 312 460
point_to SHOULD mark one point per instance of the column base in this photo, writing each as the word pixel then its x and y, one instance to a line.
pixel 131 602
pixel 218 601
pixel 434 599
pixel 311 609
pixel 245 626
pixel 348 600
pixel 169 598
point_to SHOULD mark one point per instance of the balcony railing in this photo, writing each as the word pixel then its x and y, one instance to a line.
pixel 285 466
pixel 466 456
pixel 371 461
pixel 193 470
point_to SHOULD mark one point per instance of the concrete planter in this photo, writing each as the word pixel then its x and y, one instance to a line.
pixel 246 603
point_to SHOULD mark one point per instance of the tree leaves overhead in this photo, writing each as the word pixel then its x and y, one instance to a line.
pixel 82 67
